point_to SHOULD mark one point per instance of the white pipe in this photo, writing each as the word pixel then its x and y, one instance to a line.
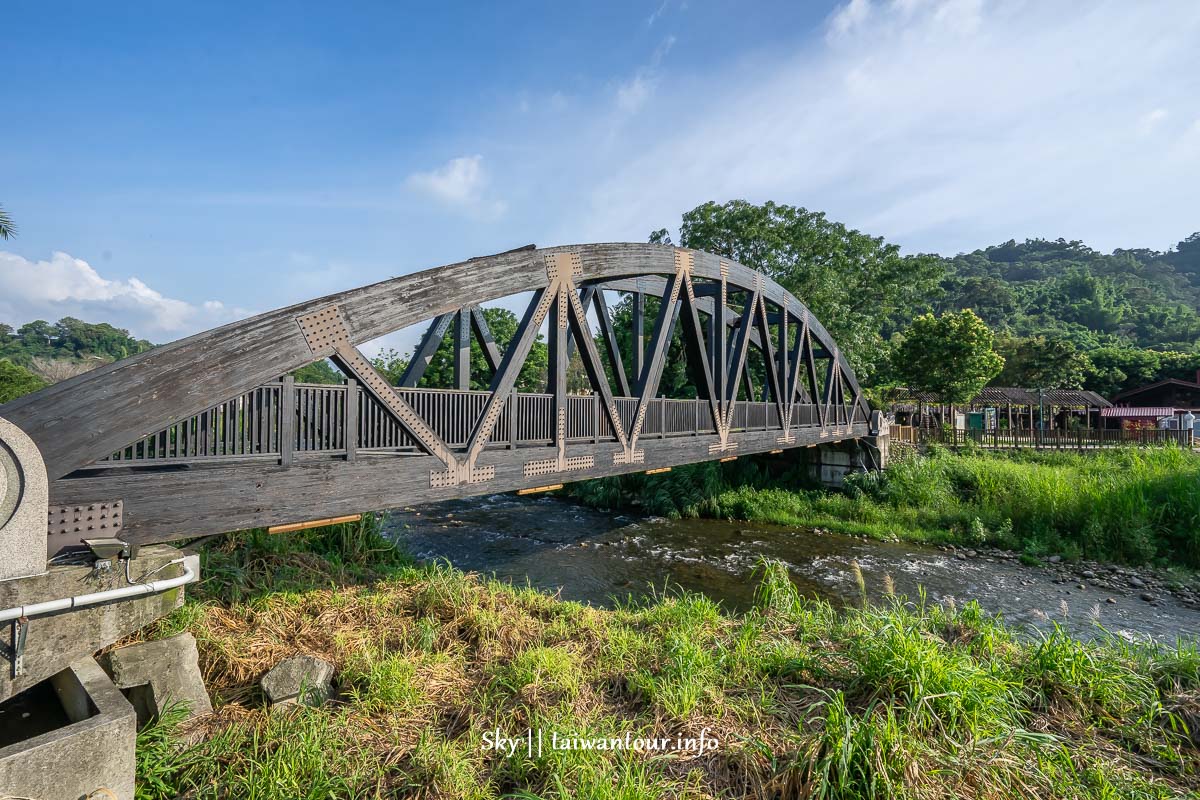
pixel 120 593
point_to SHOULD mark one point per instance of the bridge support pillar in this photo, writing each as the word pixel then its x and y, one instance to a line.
pixel 829 463
pixel 24 504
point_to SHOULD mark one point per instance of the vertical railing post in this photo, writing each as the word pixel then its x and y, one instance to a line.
pixel 595 417
pixel 350 432
pixel 287 420
pixel 662 417
pixel 512 419
pixel 639 341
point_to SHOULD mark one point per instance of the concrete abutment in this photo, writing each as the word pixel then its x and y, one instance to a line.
pixel 66 730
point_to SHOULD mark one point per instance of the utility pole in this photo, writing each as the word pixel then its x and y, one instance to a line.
pixel 1041 416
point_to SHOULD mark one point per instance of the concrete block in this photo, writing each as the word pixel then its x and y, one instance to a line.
pixel 24 499
pixel 60 639
pixel 159 674
pixel 94 751
pixel 308 674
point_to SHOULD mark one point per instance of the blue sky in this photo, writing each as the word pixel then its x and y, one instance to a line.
pixel 173 166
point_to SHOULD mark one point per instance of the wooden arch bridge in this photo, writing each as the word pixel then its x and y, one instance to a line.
pixel 204 435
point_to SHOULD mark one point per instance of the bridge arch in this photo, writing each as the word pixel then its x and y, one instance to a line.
pixel 203 435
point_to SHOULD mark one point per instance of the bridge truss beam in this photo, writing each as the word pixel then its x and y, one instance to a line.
pixel 202 435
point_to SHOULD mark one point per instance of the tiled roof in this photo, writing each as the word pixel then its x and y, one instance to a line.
pixel 1157 384
pixel 1126 412
pixel 1017 396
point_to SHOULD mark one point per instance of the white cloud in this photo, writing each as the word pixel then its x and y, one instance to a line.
pixel 460 183
pixel 1151 120
pixel 634 93
pixel 67 286
pixel 940 123
pixel 848 17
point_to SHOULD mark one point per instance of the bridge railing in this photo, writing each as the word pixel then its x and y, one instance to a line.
pixel 313 419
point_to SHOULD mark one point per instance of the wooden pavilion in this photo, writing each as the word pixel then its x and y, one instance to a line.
pixel 1011 407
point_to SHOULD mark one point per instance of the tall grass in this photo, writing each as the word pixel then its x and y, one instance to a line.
pixel 1134 505
pixel 899 700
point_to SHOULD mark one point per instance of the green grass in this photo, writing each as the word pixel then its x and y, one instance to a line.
pixel 896 700
pixel 1132 505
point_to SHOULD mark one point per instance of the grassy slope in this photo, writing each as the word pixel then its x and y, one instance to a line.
pixel 902 700
pixel 1131 505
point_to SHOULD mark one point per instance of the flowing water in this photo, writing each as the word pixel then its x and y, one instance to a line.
pixel 595 557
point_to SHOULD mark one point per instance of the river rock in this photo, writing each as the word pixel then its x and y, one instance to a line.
pixel 1089 574
pixel 1149 598
pixel 1111 601
pixel 1137 582
pixel 1054 559
pixel 288 679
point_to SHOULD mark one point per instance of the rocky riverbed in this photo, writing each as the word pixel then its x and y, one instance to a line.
pixel 1146 584
pixel 602 558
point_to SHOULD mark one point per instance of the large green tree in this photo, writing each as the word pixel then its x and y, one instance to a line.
pixel 15 381
pixel 68 339
pixel 503 324
pixel 1041 362
pixel 950 356
pixel 860 287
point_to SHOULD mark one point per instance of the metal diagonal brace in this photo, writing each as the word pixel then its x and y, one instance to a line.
pixel 327 337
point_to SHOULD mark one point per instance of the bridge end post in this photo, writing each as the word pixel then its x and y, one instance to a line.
pixel 879 440
pixel 24 504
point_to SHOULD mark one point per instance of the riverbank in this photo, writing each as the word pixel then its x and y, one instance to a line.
pixel 611 558
pixel 1131 506
pixel 895 699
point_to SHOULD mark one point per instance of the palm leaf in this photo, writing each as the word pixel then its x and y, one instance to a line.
pixel 7 228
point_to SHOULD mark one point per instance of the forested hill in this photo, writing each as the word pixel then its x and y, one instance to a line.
pixel 1068 315
pixel 1141 298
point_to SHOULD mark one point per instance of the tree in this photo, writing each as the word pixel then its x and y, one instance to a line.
pixel 1041 362
pixel 859 286
pixel 391 365
pixel 674 380
pixel 318 372
pixel 1115 369
pixel 7 228
pixel 503 325
pixel 1185 257
pixel 950 356
pixel 16 381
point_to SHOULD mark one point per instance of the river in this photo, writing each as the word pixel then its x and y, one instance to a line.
pixel 594 556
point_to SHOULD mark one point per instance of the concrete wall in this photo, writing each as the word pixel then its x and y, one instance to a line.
pixel 24 498
pixel 830 463
pixel 94 752
pixel 54 641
